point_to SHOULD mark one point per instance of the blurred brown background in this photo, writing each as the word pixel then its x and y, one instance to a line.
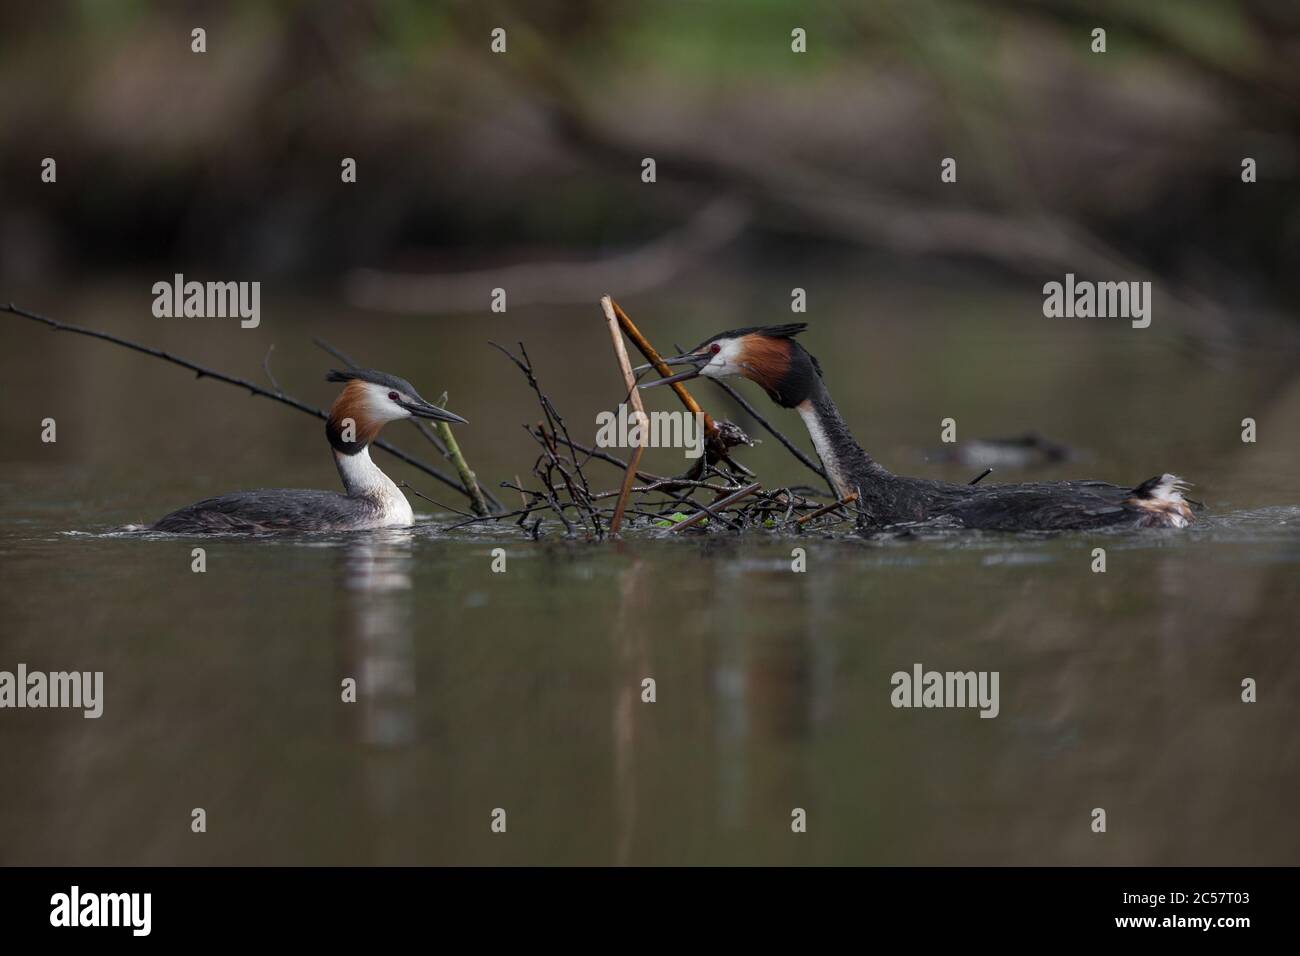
pixel 1124 162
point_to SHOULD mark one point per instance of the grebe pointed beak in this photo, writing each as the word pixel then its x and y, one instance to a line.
pixel 679 377
pixel 425 410
pixel 691 358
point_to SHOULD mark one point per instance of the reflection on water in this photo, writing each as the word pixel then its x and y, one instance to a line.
pixel 377 649
pixel 525 691
pixel 375 635
pixel 629 692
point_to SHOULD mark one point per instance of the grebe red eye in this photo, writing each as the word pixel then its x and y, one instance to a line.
pixel 715 348
pixel 392 396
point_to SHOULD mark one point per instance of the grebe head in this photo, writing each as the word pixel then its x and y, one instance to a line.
pixel 369 400
pixel 768 355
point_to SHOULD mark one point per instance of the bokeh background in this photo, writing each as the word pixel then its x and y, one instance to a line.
pixel 775 170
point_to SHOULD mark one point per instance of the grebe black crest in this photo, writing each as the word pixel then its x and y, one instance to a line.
pixel 792 377
pixel 369 400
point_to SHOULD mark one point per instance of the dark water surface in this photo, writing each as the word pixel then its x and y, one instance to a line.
pixel 522 690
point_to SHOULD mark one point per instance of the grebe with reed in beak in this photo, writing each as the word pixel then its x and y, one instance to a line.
pixel 369 400
pixel 793 379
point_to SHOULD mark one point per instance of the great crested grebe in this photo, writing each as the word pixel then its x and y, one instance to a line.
pixel 793 379
pixel 368 401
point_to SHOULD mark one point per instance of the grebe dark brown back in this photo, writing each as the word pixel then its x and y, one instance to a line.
pixel 369 400
pixel 793 379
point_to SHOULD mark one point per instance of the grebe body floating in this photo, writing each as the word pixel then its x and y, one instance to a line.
pixel 792 378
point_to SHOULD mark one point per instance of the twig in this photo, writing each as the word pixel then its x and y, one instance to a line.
pixel 602 455
pixel 652 356
pixel 553 415
pixel 557 464
pixel 725 502
pixel 467 477
pixel 629 379
pixel 706 511
pixel 433 501
pixel 202 372
pixel 848 499
pixel 339 354
pixel 980 477
pixel 559 509
pixel 662 486
pixel 524 512
pixel 266 365
pixel 548 442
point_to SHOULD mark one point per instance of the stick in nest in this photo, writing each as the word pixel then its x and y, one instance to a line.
pixel 634 395
pixel 718 505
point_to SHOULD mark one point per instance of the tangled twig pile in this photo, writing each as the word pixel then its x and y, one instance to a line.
pixel 737 502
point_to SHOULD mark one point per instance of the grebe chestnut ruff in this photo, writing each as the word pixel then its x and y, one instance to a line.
pixel 369 400
pixel 793 379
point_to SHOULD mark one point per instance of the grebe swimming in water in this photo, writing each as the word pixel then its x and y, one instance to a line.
pixel 793 379
pixel 368 401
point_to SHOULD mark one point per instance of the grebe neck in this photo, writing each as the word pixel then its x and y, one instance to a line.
pixel 848 464
pixel 362 478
